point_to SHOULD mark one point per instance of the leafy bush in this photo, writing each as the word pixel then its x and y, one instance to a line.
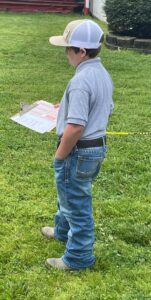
pixel 129 17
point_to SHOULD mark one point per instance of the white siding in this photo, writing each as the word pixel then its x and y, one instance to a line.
pixel 96 8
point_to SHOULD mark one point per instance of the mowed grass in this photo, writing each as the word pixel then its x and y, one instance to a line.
pixel 31 69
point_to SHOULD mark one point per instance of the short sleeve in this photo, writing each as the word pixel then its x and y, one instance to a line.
pixel 78 109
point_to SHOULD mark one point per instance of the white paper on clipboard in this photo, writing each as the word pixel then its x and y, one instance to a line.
pixel 41 116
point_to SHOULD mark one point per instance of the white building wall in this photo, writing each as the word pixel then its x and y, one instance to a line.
pixel 96 8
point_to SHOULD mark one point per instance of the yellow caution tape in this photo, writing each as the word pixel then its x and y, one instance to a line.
pixel 118 133
pixel 126 133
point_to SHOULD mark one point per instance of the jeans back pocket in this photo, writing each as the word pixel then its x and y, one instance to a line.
pixel 88 167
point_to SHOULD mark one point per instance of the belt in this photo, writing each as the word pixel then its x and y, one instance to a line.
pixel 92 143
pixel 89 143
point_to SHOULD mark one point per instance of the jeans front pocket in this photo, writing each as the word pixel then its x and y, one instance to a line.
pixel 59 168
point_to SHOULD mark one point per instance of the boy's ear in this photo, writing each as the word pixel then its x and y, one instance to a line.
pixel 83 52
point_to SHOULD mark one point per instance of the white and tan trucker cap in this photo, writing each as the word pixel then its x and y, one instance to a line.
pixel 80 33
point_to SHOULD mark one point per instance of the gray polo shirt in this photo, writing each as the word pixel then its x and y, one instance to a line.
pixel 87 100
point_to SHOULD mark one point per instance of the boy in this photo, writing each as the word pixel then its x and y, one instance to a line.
pixel 81 128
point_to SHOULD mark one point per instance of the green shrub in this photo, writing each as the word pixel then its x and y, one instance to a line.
pixel 129 17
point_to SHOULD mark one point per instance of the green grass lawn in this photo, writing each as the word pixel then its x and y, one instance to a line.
pixel 31 69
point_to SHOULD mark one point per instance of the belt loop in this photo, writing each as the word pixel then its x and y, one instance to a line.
pixel 104 141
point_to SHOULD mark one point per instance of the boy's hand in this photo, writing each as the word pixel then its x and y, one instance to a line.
pixel 71 135
pixel 56 105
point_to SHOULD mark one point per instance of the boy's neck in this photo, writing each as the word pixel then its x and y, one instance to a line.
pixel 83 60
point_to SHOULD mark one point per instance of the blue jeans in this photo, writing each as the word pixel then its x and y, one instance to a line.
pixel 74 220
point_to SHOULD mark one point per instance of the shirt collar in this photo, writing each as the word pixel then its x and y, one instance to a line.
pixel 86 63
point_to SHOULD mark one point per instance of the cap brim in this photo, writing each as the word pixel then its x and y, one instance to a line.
pixel 58 41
